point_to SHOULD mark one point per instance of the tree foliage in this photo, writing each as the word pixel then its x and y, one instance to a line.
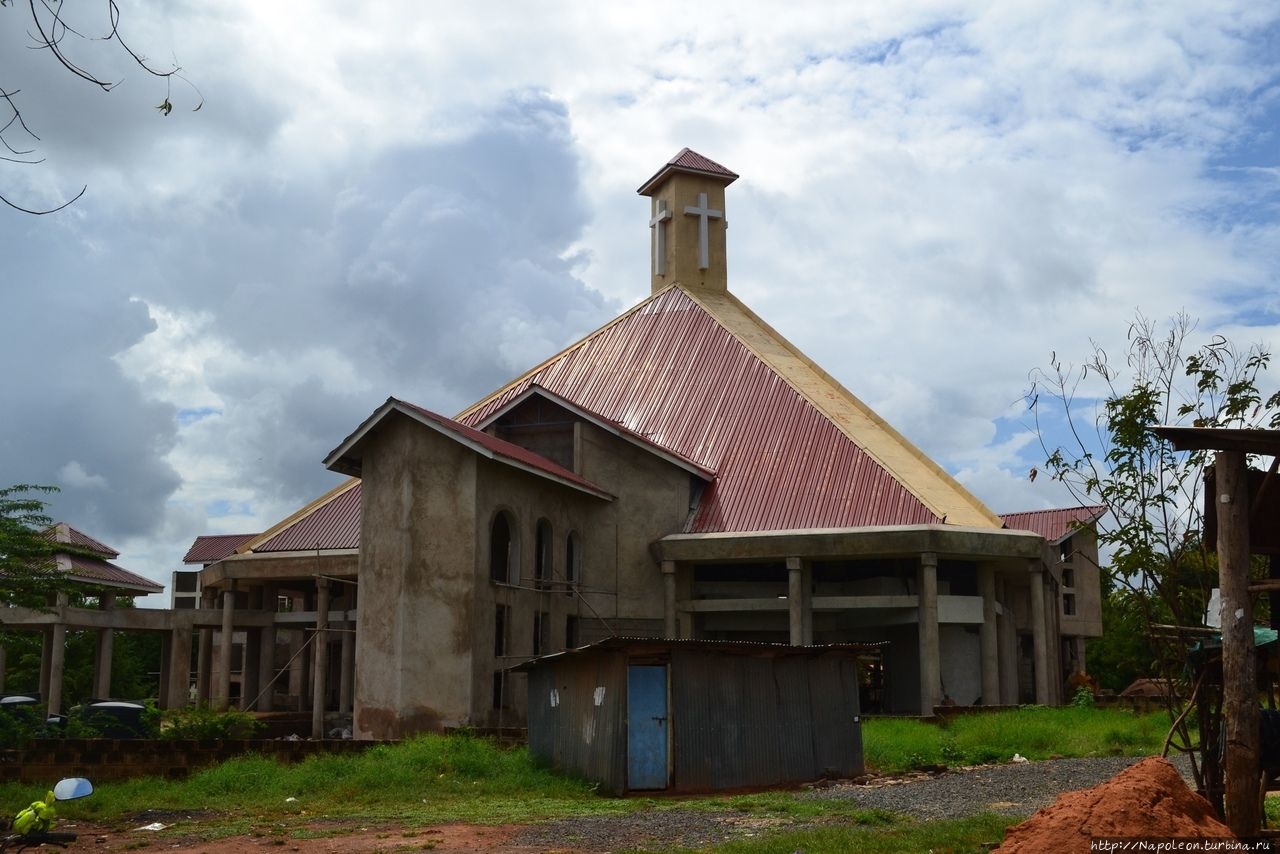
pixel 61 38
pixel 28 574
pixel 1094 424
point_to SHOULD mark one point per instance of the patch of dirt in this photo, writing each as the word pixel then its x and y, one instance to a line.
pixel 326 837
pixel 1149 799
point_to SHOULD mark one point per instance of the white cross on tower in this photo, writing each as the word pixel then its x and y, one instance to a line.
pixel 660 239
pixel 703 213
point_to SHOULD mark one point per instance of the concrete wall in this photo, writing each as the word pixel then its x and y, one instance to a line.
pixel 960 663
pixel 416 614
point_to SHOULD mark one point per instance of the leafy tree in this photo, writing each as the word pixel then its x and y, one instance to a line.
pixel 28 575
pixel 52 32
pixel 1161 569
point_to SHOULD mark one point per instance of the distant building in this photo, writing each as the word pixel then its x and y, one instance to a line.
pixel 87 563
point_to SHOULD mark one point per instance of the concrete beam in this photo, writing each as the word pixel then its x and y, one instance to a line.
pixel 833 543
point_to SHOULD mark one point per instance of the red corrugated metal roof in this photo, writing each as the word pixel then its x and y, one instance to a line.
pixel 64 533
pixel 109 575
pixel 208 548
pixel 1053 525
pixel 670 372
pixel 688 160
pixel 335 524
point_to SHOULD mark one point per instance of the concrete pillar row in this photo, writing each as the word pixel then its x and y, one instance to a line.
pixel 668 598
pixel 222 694
pixel 927 615
pixel 1040 633
pixel 988 640
pixel 320 646
pixel 795 599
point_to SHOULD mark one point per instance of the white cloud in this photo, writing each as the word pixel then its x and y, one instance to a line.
pixel 409 200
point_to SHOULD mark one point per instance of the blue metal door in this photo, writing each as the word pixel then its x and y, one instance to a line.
pixel 647 726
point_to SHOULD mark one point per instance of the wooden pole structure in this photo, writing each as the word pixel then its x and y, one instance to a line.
pixel 1240 710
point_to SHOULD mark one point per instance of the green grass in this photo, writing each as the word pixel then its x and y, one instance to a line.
pixel 434 779
pixel 1035 732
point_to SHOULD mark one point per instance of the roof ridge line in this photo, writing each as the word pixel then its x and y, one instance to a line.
pixel 297 516
pixel 853 399
pixel 514 381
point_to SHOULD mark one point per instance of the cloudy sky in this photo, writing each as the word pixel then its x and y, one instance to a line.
pixel 423 199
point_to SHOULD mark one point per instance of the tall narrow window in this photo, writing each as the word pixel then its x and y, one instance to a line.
pixel 500 629
pixel 504 550
pixel 572 563
pixel 542 553
pixel 571 640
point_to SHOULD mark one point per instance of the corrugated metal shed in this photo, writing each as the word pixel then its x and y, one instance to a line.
pixel 1053 525
pixel 669 371
pixel 739 715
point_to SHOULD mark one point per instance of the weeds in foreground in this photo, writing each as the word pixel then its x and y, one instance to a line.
pixel 1035 732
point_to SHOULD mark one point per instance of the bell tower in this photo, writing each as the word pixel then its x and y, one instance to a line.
pixel 687 222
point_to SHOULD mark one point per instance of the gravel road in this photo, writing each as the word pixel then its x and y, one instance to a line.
pixel 1014 790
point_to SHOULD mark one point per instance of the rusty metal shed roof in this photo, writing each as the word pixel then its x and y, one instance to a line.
pixel 1054 525
pixel 791 448
pixel 729 647
pixel 210 547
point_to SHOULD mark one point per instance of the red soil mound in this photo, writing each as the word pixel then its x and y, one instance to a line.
pixel 1148 799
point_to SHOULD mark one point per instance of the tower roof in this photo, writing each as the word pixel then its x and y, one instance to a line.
pixel 688 160
pixel 700 374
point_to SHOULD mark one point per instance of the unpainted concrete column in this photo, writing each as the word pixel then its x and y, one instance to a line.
pixel 222 693
pixel 102 654
pixel 927 616
pixel 46 655
pixel 988 642
pixel 795 600
pixel 669 598
pixel 266 665
pixel 1008 652
pixel 249 685
pixel 806 603
pixel 347 675
pixel 57 658
pixel 1040 633
pixel 178 692
pixel 321 657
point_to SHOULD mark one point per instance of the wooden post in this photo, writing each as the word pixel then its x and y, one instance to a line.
pixel 1240 710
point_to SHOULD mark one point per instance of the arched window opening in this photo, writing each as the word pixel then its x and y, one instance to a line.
pixel 504 550
pixel 572 563
pixel 542 553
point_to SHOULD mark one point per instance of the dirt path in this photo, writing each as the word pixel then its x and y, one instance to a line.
pixel 319 838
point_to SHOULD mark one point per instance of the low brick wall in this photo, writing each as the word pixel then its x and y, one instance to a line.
pixel 46 761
